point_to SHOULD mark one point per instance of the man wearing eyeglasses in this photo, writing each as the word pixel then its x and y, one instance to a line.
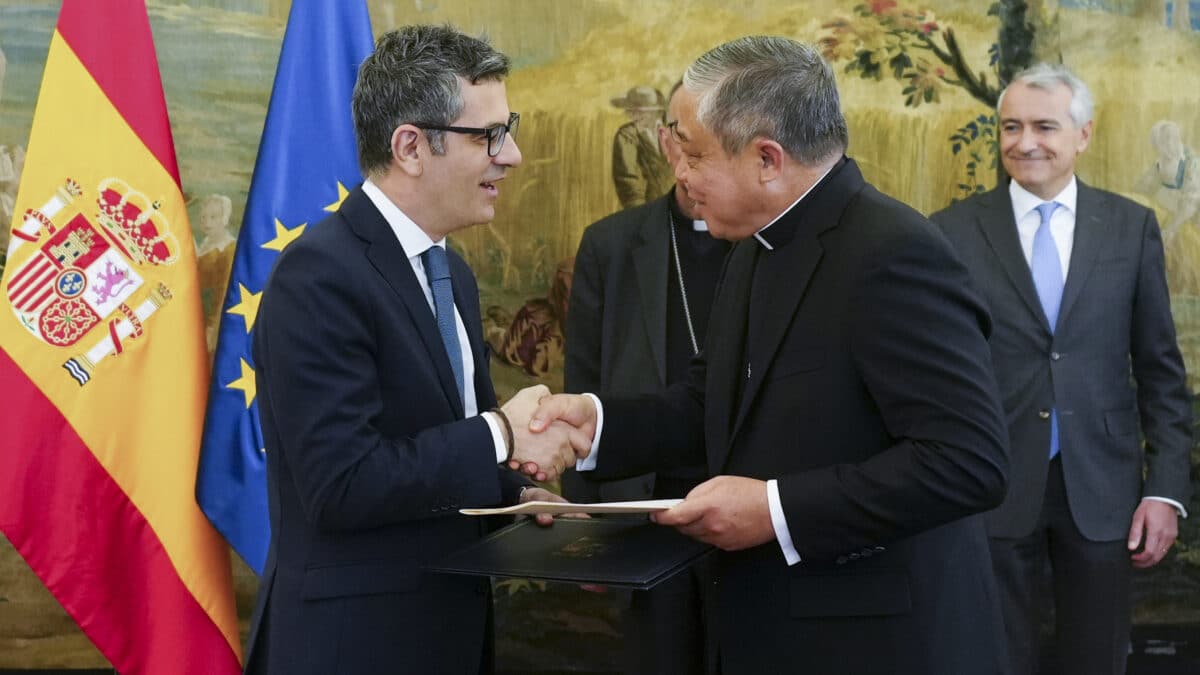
pixel 378 414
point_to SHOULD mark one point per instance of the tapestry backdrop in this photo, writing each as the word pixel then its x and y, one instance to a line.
pixel 590 81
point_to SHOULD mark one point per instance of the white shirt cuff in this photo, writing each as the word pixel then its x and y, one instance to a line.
pixel 497 436
pixel 779 522
pixel 589 463
pixel 1178 507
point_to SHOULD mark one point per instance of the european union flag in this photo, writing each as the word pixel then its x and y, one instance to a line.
pixel 306 161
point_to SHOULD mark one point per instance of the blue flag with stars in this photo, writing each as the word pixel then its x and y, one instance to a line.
pixel 306 160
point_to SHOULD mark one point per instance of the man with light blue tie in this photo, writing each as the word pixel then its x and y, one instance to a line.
pixel 1075 281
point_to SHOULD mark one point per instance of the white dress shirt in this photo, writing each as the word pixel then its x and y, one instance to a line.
pixel 415 242
pixel 1062 229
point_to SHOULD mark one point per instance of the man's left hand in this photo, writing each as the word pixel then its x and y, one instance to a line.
pixel 537 494
pixel 729 512
pixel 1158 523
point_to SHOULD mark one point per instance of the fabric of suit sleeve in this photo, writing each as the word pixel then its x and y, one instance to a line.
pixel 1163 400
pixel 919 343
pixel 315 352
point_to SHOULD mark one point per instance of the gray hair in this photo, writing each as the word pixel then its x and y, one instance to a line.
pixel 1047 76
pixel 413 77
pixel 772 87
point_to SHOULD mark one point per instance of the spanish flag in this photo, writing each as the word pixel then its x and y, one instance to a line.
pixel 102 361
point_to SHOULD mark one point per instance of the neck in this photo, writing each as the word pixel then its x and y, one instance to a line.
pixel 796 181
pixel 404 193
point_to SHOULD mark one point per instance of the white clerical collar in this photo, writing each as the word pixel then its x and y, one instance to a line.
pixel 758 235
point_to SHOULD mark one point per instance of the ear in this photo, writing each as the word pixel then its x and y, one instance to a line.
pixel 769 156
pixel 1085 137
pixel 407 141
pixel 663 134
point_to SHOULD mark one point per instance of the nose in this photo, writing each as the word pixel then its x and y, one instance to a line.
pixel 510 154
pixel 681 171
pixel 1026 140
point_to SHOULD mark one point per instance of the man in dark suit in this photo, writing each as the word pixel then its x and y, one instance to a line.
pixel 1067 356
pixel 372 376
pixel 844 402
pixel 640 300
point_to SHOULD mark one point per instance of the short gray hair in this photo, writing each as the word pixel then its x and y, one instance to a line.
pixel 412 77
pixel 1047 76
pixel 772 87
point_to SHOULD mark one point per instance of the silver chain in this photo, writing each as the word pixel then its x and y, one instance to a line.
pixel 687 313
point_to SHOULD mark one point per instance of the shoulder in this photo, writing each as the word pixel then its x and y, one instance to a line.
pixel 1110 204
pixel 961 211
pixel 617 229
pixel 878 229
pixel 328 247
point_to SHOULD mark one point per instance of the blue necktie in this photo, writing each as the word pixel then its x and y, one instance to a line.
pixel 437 270
pixel 1048 278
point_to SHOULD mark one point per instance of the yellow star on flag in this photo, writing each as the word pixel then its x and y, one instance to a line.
pixel 342 192
pixel 248 307
pixel 245 383
pixel 284 236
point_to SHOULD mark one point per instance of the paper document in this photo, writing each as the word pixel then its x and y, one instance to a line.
pixel 559 508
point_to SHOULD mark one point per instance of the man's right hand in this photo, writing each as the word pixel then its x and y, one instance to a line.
pixel 543 454
pixel 572 414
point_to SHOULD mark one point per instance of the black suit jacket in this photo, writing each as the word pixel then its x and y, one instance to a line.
pixel 617 323
pixel 368 460
pixel 1114 330
pixel 870 398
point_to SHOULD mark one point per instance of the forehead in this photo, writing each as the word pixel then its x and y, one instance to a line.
pixel 484 103
pixel 682 110
pixel 1022 101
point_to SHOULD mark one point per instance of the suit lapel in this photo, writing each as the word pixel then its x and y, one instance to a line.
pixel 1000 230
pixel 1091 231
pixel 387 256
pixel 652 264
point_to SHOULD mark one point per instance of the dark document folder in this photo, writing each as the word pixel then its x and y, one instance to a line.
pixel 609 551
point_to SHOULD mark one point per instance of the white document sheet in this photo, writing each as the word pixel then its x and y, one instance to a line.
pixel 559 508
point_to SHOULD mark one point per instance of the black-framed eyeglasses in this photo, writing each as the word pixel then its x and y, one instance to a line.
pixel 495 134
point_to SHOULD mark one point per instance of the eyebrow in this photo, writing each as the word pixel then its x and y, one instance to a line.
pixel 1040 120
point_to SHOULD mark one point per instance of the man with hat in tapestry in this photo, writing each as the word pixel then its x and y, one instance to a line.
pixel 640 172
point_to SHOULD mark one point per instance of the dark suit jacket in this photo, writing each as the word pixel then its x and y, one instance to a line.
pixel 1114 329
pixel 870 398
pixel 368 460
pixel 617 323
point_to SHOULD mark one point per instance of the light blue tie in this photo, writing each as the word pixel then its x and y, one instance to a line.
pixel 1048 278
pixel 437 270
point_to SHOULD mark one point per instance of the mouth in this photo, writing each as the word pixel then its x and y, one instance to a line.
pixel 489 186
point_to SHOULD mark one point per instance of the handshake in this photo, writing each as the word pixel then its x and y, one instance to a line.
pixel 549 431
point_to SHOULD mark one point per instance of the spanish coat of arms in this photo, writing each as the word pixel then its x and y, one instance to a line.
pixel 90 280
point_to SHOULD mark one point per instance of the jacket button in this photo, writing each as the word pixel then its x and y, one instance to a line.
pixel 1044 414
pixel 855 556
pixel 867 553
pixel 880 549
pixel 1054 356
pixel 841 560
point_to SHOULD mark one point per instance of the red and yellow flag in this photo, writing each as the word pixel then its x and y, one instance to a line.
pixel 102 362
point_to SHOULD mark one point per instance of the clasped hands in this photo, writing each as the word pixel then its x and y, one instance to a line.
pixel 549 431
pixel 553 430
